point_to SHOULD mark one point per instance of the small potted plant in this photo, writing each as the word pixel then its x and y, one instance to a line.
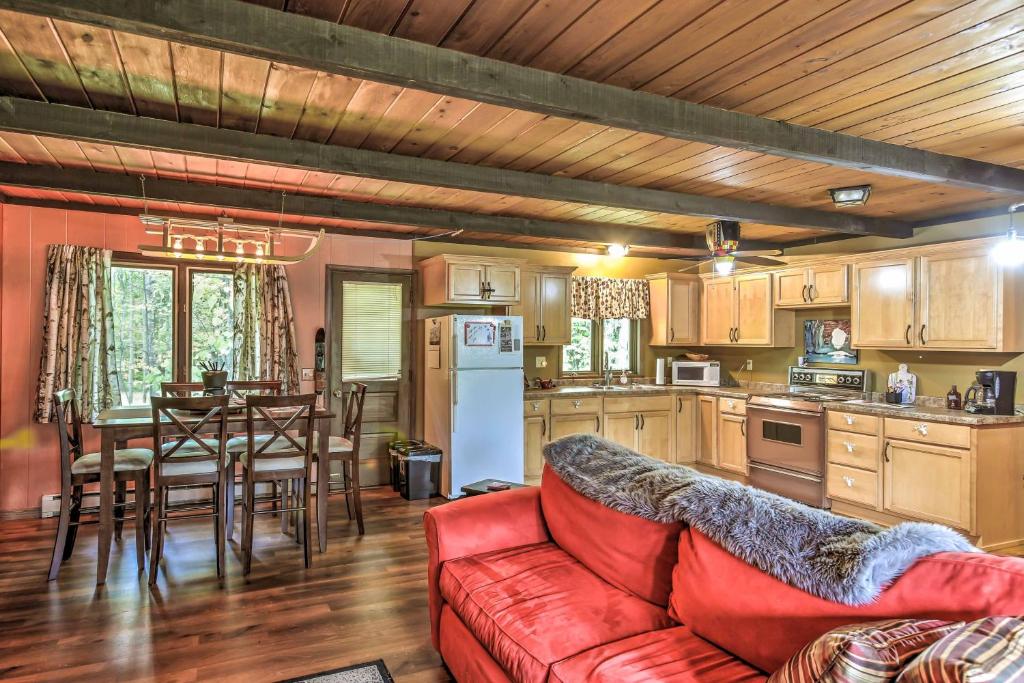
pixel 215 377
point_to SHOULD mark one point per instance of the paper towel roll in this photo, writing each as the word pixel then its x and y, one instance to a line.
pixel 659 373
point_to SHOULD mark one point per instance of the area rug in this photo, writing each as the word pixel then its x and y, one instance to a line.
pixel 370 672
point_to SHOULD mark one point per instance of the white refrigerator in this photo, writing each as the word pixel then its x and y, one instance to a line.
pixel 473 397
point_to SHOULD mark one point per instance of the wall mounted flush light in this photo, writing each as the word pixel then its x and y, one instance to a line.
pixel 1010 251
pixel 618 249
pixel 850 196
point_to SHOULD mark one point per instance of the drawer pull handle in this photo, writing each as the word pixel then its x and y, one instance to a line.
pixel 536 406
pixel 848 481
pixel 577 403
pixel 849 446
pixel 849 419
pixel 922 429
pixel 731 403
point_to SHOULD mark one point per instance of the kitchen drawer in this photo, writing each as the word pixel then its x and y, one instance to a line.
pixel 636 404
pixel 852 422
pixel 853 450
pixel 938 433
pixel 575 406
pixel 535 406
pixel 734 406
pixel 853 485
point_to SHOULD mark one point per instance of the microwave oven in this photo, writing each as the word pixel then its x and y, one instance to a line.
pixel 703 373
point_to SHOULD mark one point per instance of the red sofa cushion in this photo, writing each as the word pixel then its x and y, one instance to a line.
pixel 672 654
pixel 634 554
pixel 535 605
pixel 463 654
pixel 765 621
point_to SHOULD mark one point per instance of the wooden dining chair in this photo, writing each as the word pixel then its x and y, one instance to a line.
pixel 238 389
pixel 78 469
pixel 180 389
pixel 286 456
pixel 186 458
pixel 345 449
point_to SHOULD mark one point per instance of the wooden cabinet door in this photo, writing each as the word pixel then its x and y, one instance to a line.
pixel 659 321
pixel 718 311
pixel 535 431
pixel 732 443
pixel 564 425
pixel 754 309
pixel 928 482
pixel 505 282
pixel 959 297
pixel 791 287
pixel 683 311
pixel 883 303
pixel 529 306
pixel 655 435
pixel 707 430
pixel 465 281
pixel 622 428
pixel 828 284
pixel 555 298
pixel 684 448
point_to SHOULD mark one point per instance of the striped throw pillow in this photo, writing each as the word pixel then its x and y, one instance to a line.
pixel 863 653
pixel 990 649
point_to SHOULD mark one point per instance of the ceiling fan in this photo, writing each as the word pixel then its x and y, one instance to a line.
pixel 723 238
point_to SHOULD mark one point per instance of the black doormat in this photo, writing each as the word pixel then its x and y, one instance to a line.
pixel 370 672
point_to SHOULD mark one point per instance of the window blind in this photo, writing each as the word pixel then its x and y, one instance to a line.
pixel 371 330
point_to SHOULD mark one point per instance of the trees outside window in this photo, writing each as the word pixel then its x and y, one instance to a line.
pixel 594 340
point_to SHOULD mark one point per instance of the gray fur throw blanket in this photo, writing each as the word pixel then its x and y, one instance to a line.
pixel 836 558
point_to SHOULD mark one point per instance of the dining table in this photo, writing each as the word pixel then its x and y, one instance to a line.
pixel 119 425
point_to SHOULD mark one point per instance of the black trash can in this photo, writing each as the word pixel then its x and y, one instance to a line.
pixel 418 475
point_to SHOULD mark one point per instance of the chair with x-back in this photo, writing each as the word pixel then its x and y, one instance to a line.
pixel 180 389
pixel 344 449
pixel 185 457
pixel 238 389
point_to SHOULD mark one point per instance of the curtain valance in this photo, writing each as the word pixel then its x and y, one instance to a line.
pixel 605 297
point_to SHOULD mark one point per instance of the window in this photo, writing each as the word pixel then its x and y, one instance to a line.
pixel 371 330
pixel 593 341
pixel 212 320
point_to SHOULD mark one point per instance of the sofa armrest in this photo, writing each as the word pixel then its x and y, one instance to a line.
pixel 477 525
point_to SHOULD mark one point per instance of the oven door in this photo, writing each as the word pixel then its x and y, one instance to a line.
pixel 786 439
pixel 800 487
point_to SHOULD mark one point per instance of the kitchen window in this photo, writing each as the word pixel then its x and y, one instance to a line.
pixel 594 340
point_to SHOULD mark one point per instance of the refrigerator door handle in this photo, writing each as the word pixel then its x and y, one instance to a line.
pixel 455 394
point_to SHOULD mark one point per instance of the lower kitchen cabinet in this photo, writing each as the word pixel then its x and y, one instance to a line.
pixel 684 448
pixel 622 428
pixel 928 482
pixel 642 423
pixel 655 435
pixel 535 437
pixel 707 430
pixel 575 416
pixel 732 442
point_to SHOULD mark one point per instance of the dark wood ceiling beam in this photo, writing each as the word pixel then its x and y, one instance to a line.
pixel 205 194
pixel 77 123
pixel 264 33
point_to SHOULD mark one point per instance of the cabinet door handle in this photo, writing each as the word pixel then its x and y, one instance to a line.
pixel 887 451
pixel 679 404
pixel 907 334
pixel 737 335
pixel 812 291
pixel 743 427
pixel 923 342
pixel 539 338
pixel 643 422
pixel 671 334
pixel 543 427
pixel 636 422
pixel 803 293
pixel 543 333
pixel 598 418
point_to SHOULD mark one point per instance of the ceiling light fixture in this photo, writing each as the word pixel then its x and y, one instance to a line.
pixel 1010 251
pixel 850 196
pixel 253 243
pixel 724 264
pixel 618 249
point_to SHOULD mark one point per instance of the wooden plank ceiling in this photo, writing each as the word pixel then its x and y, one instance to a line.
pixel 942 76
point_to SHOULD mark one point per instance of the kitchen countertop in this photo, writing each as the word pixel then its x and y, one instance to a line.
pixel 928 413
pixel 584 391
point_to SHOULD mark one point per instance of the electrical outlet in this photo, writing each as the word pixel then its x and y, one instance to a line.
pixel 749 365
pixel 542 362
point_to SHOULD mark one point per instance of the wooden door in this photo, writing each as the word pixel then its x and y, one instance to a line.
pixel 622 428
pixel 535 430
pixel 959 298
pixel 883 303
pixel 584 423
pixel 504 280
pixel 707 430
pixel 829 284
pixel 683 311
pixel 684 447
pixel 754 309
pixel 465 281
pixel 791 287
pixel 387 408
pixel 529 306
pixel 655 434
pixel 718 311
pixel 732 443
pixel 931 483
pixel 556 300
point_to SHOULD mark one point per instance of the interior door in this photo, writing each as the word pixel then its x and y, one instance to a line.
pixel 376 357
pixel 754 309
pixel 718 311
pixel 555 302
pixel 683 311
pixel 945 319
pixel 883 303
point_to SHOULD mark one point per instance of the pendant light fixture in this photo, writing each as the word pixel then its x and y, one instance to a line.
pixel 1010 252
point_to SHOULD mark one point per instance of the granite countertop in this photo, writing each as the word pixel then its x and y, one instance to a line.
pixel 928 413
pixel 584 391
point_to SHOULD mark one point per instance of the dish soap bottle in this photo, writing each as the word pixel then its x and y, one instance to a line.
pixel 953 400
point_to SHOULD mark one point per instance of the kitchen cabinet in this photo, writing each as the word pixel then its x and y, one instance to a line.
pixel 813 286
pixel 675 309
pixel 684 448
pixel 575 416
pixel 642 423
pixel 449 279
pixel 535 437
pixel 739 311
pixel 958 301
pixel 927 482
pixel 883 303
pixel 707 430
pixel 545 304
pixel 732 435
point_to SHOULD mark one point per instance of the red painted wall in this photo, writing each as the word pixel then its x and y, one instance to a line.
pixel 29 465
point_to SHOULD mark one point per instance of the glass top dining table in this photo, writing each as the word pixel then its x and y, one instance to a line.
pixel 119 425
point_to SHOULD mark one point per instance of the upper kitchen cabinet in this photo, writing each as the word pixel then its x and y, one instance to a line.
pixel 883 303
pixel 813 286
pixel 545 304
pixel 739 311
pixel 675 309
pixel 450 279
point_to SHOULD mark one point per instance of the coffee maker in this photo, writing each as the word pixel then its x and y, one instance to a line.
pixel 992 394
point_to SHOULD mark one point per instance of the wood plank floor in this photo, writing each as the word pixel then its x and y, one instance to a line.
pixel 364 599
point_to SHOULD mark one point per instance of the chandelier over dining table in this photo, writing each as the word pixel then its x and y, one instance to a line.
pixel 224 240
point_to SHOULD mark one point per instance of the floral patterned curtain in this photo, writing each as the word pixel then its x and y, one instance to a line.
pixel 602 298
pixel 264 336
pixel 78 331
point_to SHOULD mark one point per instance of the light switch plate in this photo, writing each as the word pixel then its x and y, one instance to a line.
pixel 542 362
pixel 307 374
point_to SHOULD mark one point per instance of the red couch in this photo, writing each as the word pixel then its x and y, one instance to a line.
pixel 545 585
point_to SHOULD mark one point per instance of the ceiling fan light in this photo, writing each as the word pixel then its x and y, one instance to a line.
pixel 618 250
pixel 850 196
pixel 724 264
